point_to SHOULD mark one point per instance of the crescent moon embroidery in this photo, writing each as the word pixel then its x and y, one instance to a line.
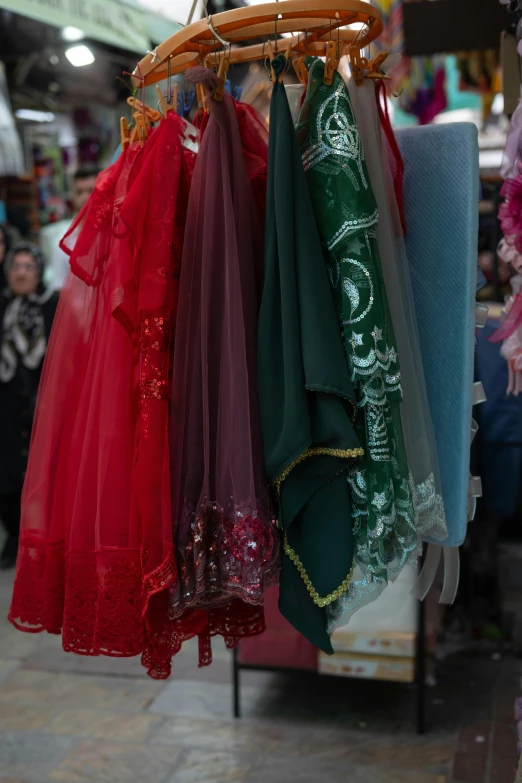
pixel 353 294
pixel 355 291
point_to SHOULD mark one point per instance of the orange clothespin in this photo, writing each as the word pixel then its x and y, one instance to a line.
pixel 356 64
pixel 222 77
pixel 374 66
pixel 271 56
pixel 151 114
pixel 301 69
pixel 333 55
pixel 165 105
pixel 271 53
pixel 140 131
pixel 124 133
pixel 202 99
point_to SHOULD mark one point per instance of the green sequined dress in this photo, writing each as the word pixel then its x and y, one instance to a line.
pixel 346 214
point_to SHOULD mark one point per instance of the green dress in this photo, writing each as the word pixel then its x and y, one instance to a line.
pixel 346 214
pixel 306 397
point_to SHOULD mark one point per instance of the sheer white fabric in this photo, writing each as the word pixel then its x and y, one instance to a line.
pixel 416 418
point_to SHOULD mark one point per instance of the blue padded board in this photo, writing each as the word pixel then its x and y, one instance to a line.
pixel 441 193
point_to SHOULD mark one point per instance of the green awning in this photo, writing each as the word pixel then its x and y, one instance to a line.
pixel 110 21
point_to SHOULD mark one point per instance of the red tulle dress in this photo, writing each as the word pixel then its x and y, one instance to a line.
pixel 225 536
pixel 96 554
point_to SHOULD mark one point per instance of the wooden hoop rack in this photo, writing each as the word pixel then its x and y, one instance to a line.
pixel 320 20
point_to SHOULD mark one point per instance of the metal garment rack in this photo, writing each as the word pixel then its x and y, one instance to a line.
pixel 420 673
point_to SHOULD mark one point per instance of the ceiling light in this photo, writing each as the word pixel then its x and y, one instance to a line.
pixel 79 55
pixel 72 34
pixel 34 115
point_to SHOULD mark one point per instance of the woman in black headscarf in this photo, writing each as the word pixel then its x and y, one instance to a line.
pixel 26 313
pixel 5 246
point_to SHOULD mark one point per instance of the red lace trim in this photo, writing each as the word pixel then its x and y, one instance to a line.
pixel 396 161
pixel 233 621
pixel 102 604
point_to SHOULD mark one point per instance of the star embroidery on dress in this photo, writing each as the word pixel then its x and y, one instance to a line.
pixel 357 339
pixel 379 500
pixel 355 246
pixel 377 334
pixel 393 355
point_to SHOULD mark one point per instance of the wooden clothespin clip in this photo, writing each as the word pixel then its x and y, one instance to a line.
pixel 222 77
pixel 140 132
pixel 272 55
pixel 356 64
pixel 301 70
pixel 166 105
pixel 151 114
pixel 124 133
pixel 333 55
pixel 201 99
pixel 374 66
pixel 288 49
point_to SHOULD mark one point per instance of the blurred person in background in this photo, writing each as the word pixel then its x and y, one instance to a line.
pixel 27 310
pixel 5 245
pixel 57 261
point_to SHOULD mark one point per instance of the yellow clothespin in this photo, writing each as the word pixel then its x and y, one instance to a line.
pixel 140 131
pixel 165 105
pixel 333 55
pixel 374 66
pixel 202 99
pixel 272 55
pixel 356 64
pixel 301 69
pixel 222 77
pixel 124 133
pixel 151 114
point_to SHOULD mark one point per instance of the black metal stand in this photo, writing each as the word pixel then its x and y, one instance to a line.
pixel 236 706
pixel 420 673
pixel 420 668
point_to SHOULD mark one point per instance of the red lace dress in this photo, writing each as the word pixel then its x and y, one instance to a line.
pixel 96 554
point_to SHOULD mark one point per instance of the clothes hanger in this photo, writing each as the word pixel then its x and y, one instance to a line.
pixel 199 38
pixel 314 43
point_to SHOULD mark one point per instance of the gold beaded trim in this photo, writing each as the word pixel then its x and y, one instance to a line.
pixel 316 451
pixel 314 595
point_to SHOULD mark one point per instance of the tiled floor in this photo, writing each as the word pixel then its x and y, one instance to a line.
pixel 67 719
